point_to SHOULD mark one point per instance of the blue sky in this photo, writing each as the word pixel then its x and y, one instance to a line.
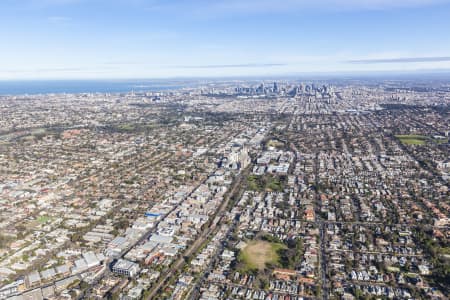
pixel 64 39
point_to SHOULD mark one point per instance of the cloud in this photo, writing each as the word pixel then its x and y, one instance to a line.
pixel 231 66
pixel 211 66
pixel 58 70
pixel 275 6
pixel 122 63
pixel 400 60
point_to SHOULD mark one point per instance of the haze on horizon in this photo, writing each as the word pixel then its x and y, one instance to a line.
pixel 81 39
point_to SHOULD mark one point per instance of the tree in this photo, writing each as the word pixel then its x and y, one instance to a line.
pixel 76 237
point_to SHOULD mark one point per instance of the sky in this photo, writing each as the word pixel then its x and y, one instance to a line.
pixel 105 39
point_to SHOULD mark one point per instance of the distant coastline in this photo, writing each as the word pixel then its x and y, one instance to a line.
pixel 114 86
pixel 36 87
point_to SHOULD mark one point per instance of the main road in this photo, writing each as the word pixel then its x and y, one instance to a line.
pixel 207 231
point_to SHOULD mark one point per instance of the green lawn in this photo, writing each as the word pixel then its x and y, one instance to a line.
pixel 257 254
pixel 127 127
pixel 265 182
pixel 416 139
pixel 43 219
pixel 412 139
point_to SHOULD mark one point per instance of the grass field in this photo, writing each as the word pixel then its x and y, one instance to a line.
pixel 257 254
pixel 275 144
pixel 265 183
pixel 415 139
pixel 127 127
pixel 412 139
pixel 43 219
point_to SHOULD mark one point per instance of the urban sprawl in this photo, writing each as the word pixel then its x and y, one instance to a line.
pixel 228 190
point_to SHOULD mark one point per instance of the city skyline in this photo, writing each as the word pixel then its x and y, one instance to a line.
pixel 77 39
